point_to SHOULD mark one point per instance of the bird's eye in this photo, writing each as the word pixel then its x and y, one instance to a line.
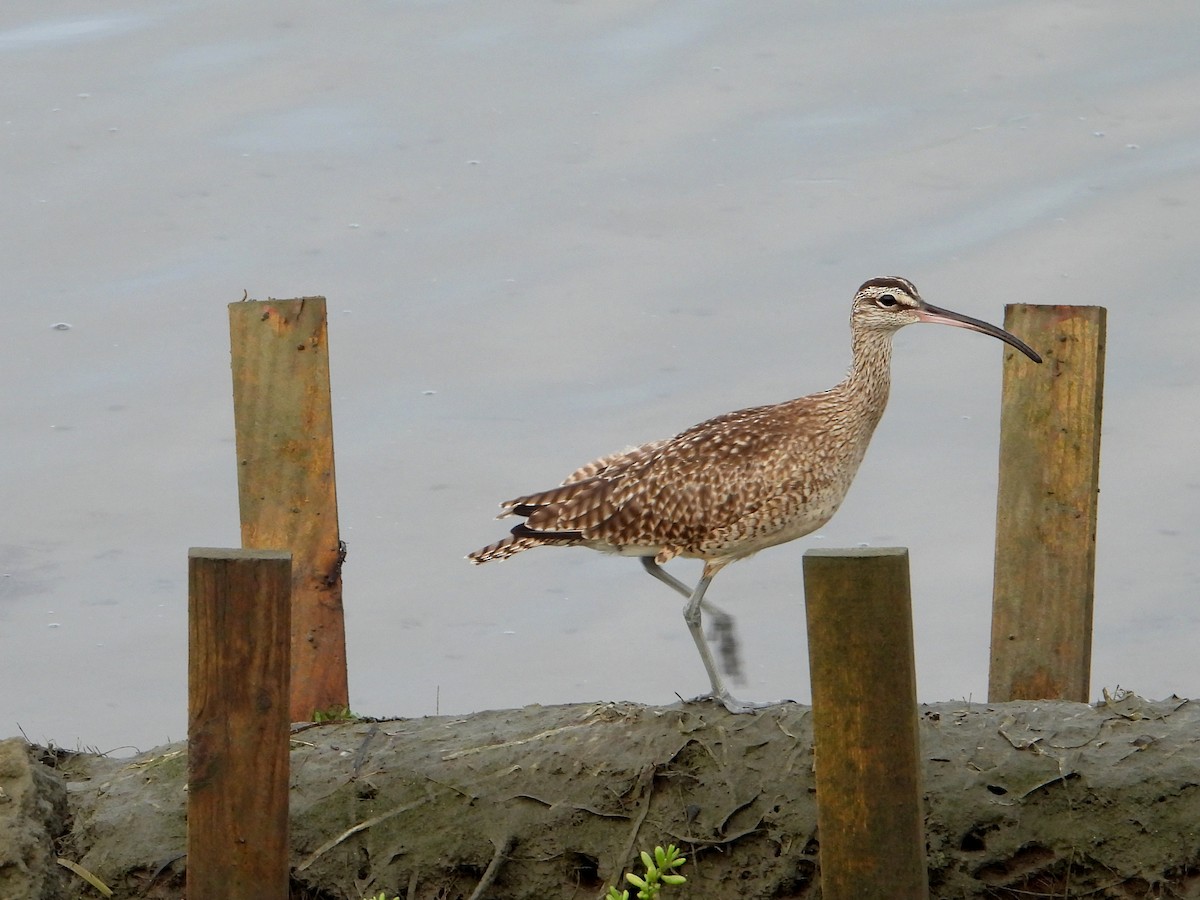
pixel 886 299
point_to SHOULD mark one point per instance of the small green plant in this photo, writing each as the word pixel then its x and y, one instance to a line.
pixel 658 873
pixel 335 714
pixel 382 896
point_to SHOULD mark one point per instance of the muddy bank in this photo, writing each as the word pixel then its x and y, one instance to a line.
pixel 1022 799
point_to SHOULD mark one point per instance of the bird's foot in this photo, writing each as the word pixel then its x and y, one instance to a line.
pixel 734 705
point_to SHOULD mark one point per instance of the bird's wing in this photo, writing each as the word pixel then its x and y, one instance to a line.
pixel 674 491
pixel 617 460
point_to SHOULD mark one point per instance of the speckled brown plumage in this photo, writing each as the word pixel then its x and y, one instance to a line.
pixel 740 482
pixel 719 491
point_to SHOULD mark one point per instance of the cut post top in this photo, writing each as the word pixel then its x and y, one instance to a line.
pixel 231 553
pixel 857 552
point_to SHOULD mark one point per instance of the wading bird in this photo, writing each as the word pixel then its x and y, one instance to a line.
pixel 739 483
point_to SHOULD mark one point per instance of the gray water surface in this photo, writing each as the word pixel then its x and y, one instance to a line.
pixel 547 232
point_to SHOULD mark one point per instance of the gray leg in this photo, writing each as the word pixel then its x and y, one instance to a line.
pixel 665 577
pixel 722 628
pixel 692 616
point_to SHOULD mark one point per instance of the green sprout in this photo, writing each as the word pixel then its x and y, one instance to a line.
pixel 658 873
pixel 334 714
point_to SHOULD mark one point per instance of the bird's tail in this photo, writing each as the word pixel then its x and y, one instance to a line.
pixel 502 549
pixel 523 538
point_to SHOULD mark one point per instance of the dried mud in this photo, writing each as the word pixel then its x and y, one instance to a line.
pixel 1022 800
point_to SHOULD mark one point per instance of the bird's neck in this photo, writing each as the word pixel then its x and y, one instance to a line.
pixel 866 386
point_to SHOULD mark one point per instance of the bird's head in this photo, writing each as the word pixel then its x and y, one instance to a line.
pixel 889 303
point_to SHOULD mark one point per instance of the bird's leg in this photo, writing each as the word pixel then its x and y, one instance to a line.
pixel 652 566
pixel 723 631
pixel 691 615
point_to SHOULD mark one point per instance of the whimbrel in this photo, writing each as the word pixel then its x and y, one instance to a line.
pixel 739 483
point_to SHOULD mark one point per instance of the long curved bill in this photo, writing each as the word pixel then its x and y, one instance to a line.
pixel 938 316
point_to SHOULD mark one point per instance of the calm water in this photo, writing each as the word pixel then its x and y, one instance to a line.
pixel 547 233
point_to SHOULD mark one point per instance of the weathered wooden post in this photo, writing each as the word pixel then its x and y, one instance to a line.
pixel 1046 508
pixel 238 724
pixel 286 488
pixel 870 812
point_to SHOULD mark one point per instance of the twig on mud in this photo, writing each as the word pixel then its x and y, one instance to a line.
pixel 1062 779
pixel 647 780
pixel 1088 893
pixel 551 732
pixel 489 874
pixel 355 829
pixel 450 787
pixel 361 756
pixel 162 867
pixel 607 710
pixel 155 760
pixel 86 876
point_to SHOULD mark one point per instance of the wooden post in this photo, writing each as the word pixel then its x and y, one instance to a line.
pixel 288 498
pixel 870 814
pixel 238 724
pixel 1046 509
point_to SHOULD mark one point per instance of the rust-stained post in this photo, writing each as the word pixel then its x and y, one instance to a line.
pixel 238 723
pixel 288 498
pixel 870 813
pixel 1046 508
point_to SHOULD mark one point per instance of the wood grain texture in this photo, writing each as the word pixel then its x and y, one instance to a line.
pixel 238 723
pixel 1049 484
pixel 869 800
pixel 286 486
